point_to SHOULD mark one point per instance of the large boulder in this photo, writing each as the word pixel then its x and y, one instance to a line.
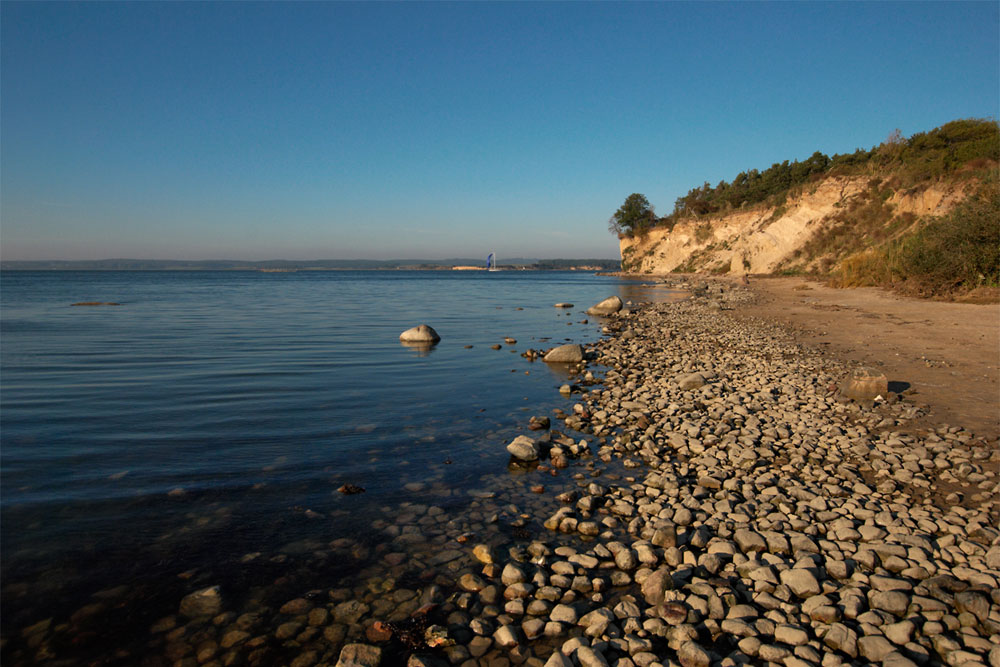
pixel 865 384
pixel 609 306
pixel 523 448
pixel 420 334
pixel 564 354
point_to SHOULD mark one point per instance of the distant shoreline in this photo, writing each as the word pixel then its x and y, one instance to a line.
pixel 282 266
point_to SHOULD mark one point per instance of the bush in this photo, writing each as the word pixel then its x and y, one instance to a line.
pixel 957 252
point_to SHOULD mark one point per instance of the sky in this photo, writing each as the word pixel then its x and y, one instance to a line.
pixel 314 130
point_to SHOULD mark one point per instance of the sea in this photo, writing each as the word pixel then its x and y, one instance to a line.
pixel 210 415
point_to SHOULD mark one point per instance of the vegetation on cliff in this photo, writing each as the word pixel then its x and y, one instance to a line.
pixel 866 240
pixel 948 254
pixel 960 147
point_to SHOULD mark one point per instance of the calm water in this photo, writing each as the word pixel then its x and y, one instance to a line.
pixel 202 417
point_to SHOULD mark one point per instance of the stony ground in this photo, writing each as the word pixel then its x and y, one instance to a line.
pixel 711 499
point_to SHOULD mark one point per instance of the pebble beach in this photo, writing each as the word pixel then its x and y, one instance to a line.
pixel 709 496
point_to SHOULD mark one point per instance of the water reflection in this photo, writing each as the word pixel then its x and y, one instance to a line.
pixel 421 349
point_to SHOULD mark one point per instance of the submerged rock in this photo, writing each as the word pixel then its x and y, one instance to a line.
pixel 206 602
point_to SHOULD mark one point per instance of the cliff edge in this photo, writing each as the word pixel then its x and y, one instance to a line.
pixel 814 229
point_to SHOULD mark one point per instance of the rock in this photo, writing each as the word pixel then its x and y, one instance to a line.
pixel 513 574
pixel 588 657
pixel 802 582
pixel 749 541
pixel 557 659
pixel 359 655
pixel 483 553
pixel 690 654
pixel 539 423
pixel 420 334
pixel 894 602
pixel 973 602
pixel 523 448
pixel 791 635
pixel 656 585
pixel 506 637
pixel 564 613
pixel 564 354
pixel 839 637
pixel 865 384
pixel 875 647
pixel 691 381
pixel 563 305
pixel 206 602
pixel 609 306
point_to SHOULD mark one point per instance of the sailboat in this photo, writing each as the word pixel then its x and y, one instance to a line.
pixel 491 262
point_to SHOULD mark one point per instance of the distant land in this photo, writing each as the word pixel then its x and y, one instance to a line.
pixel 518 263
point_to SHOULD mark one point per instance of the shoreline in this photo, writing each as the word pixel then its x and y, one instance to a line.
pixel 708 497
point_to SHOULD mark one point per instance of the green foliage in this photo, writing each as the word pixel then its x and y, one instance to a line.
pixel 635 216
pixel 970 145
pixel 956 252
pixel 751 187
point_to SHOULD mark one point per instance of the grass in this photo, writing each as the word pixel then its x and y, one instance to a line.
pixel 941 256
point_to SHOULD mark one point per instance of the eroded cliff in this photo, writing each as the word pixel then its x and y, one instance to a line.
pixel 799 234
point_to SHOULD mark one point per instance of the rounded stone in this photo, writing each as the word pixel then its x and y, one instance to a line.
pixel 420 334
pixel 609 306
pixel 564 354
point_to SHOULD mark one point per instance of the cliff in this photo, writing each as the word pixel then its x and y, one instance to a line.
pixel 816 227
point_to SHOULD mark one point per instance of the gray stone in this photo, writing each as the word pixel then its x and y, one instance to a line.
pixel 420 334
pixel 564 354
pixel 523 448
pixel 609 306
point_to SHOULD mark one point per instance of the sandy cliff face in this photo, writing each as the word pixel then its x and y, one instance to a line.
pixel 761 239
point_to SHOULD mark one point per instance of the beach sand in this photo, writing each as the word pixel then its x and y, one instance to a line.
pixel 947 354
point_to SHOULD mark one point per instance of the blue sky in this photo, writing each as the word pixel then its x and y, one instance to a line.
pixel 383 130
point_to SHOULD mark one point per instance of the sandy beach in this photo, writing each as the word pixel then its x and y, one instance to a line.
pixel 947 355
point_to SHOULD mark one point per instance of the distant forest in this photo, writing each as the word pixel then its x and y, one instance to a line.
pixel 970 146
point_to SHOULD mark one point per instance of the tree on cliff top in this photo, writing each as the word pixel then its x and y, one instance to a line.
pixel 634 216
